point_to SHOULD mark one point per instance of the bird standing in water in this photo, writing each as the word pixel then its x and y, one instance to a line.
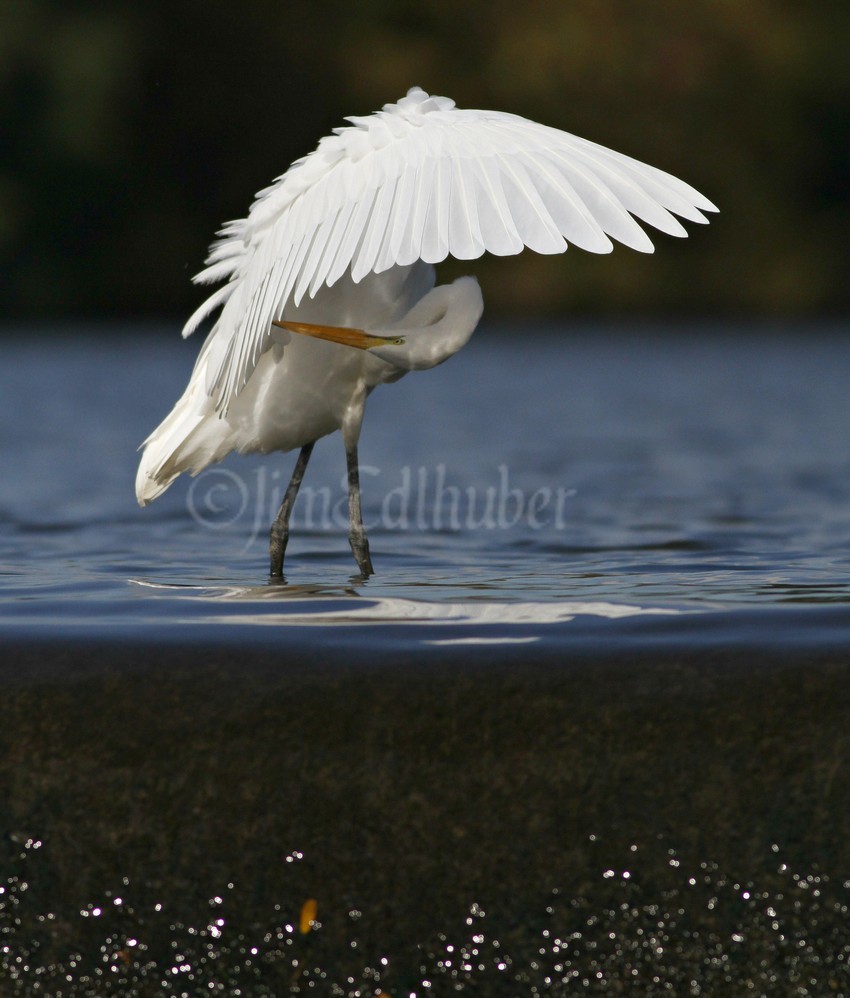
pixel 330 279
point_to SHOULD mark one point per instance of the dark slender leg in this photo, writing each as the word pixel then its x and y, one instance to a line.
pixel 357 535
pixel 280 528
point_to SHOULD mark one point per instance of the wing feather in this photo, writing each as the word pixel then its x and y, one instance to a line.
pixel 334 237
pixel 374 232
pixel 422 179
pixel 466 241
pixel 218 297
pixel 533 221
pixel 435 232
pixel 498 228
pixel 411 244
pixel 317 250
pixel 633 195
pixel 566 188
pixel 353 236
pixel 398 222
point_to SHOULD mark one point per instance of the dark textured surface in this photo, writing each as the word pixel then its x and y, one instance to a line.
pixel 411 786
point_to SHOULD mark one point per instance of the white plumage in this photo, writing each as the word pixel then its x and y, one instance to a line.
pixel 346 238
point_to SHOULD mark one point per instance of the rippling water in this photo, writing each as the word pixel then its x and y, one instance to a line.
pixel 666 485
pixel 585 731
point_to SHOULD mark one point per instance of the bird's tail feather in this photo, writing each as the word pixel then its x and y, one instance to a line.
pixel 190 438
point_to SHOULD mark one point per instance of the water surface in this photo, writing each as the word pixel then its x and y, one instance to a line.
pixel 597 690
pixel 594 485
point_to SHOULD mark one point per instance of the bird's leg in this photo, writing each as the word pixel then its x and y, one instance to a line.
pixel 279 534
pixel 356 534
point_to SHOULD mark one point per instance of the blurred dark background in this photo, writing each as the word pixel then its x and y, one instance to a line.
pixel 129 132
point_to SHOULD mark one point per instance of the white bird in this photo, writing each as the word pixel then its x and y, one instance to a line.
pixel 330 279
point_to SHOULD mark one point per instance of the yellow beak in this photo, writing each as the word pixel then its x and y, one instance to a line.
pixel 340 334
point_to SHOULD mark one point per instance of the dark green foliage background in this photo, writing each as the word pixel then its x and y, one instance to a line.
pixel 129 132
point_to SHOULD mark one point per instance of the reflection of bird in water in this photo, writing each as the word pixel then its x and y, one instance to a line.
pixel 330 279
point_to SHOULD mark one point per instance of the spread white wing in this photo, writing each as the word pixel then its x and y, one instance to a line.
pixel 422 180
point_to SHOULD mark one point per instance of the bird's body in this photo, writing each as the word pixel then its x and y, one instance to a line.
pixel 302 388
pixel 330 287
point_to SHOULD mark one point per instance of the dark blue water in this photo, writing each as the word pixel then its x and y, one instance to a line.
pixel 603 488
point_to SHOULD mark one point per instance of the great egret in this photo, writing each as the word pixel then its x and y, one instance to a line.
pixel 330 279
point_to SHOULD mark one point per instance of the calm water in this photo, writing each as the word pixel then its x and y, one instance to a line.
pixel 673 485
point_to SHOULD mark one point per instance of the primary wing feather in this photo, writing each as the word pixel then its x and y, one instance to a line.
pixel 422 179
